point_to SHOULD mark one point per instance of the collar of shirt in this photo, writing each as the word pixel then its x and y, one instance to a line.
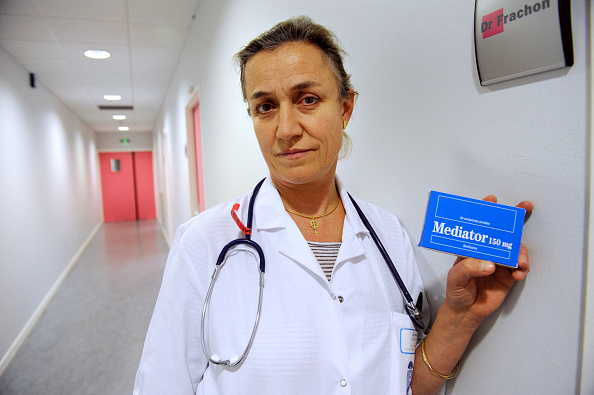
pixel 270 216
pixel 271 213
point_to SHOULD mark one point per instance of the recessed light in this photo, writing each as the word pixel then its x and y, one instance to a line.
pixel 123 128
pixel 112 97
pixel 119 117
pixel 97 54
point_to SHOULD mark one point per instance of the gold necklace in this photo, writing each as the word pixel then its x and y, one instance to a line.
pixel 313 223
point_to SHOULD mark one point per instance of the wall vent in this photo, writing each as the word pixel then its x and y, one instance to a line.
pixel 116 107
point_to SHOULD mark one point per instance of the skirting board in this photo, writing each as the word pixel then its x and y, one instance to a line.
pixel 20 339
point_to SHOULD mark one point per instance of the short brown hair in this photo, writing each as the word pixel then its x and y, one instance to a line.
pixel 299 29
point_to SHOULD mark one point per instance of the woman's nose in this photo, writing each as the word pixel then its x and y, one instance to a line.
pixel 288 124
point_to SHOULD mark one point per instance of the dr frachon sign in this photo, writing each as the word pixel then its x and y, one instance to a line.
pixel 518 38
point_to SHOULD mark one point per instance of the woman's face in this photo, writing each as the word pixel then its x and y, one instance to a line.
pixel 297 114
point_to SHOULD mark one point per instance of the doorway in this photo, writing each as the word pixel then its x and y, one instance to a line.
pixel 194 153
pixel 127 185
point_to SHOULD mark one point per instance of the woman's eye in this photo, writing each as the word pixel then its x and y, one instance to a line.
pixel 264 108
pixel 310 100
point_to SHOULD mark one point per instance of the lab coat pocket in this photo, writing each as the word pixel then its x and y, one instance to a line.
pixel 404 343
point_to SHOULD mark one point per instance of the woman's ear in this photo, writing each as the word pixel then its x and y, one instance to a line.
pixel 348 104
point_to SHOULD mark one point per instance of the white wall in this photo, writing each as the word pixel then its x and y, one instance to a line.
pixel 49 198
pixel 423 122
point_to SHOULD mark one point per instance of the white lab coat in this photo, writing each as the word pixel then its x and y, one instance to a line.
pixel 309 341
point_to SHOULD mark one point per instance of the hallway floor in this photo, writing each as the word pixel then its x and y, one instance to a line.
pixel 90 338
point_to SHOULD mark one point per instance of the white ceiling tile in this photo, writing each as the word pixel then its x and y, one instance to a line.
pixel 93 70
pixel 93 119
pixel 110 10
pixel 20 27
pixel 88 31
pixel 172 12
pixel 100 127
pixel 32 49
pixel 153 64
pixel 108 85
pixel 160 55
pixel 113 81
pixel 146 116
pixel 149 95
pixel 149 102
pixel 157 35
pixel 150 87
pixel 87 113
pixel 79 98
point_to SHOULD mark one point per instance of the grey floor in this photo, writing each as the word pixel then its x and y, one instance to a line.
pixel 89 340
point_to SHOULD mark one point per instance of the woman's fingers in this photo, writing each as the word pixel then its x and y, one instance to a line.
pixel 466 268
pixel 523 269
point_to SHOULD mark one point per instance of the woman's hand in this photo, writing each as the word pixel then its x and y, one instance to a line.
pixel 477 288
pixel 474 290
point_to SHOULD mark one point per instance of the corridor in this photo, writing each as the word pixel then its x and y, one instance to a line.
pixel 90 338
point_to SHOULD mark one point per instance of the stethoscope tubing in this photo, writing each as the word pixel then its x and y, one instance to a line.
pixel 218 267
pixel 412 309
pixel 234 361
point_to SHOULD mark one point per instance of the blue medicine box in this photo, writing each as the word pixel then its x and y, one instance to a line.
pixel 473 228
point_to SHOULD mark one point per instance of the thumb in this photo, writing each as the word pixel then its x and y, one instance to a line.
pixel 461 273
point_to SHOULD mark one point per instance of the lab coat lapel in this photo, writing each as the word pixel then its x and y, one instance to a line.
pixel 354 231
pixel 268 209
pixel 270 217
pixel 295 247
pixel 272 220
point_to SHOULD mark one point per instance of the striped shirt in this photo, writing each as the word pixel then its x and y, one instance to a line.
pixel 326 254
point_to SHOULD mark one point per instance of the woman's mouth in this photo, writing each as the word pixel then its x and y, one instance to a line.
pixel 294 153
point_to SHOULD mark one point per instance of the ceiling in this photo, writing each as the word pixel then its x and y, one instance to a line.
pixel 144 37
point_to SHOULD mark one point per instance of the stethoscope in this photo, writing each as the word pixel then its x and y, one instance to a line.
pixel 413 310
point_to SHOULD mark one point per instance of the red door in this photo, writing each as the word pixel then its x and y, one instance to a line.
pixel 145 189
pixel 127 186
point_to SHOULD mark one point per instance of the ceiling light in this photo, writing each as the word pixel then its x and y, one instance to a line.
pixel 123 128
pixel 119 117
pixel 97 54
pixel 112 97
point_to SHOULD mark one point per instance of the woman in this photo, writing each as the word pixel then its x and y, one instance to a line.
pixel 332 318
